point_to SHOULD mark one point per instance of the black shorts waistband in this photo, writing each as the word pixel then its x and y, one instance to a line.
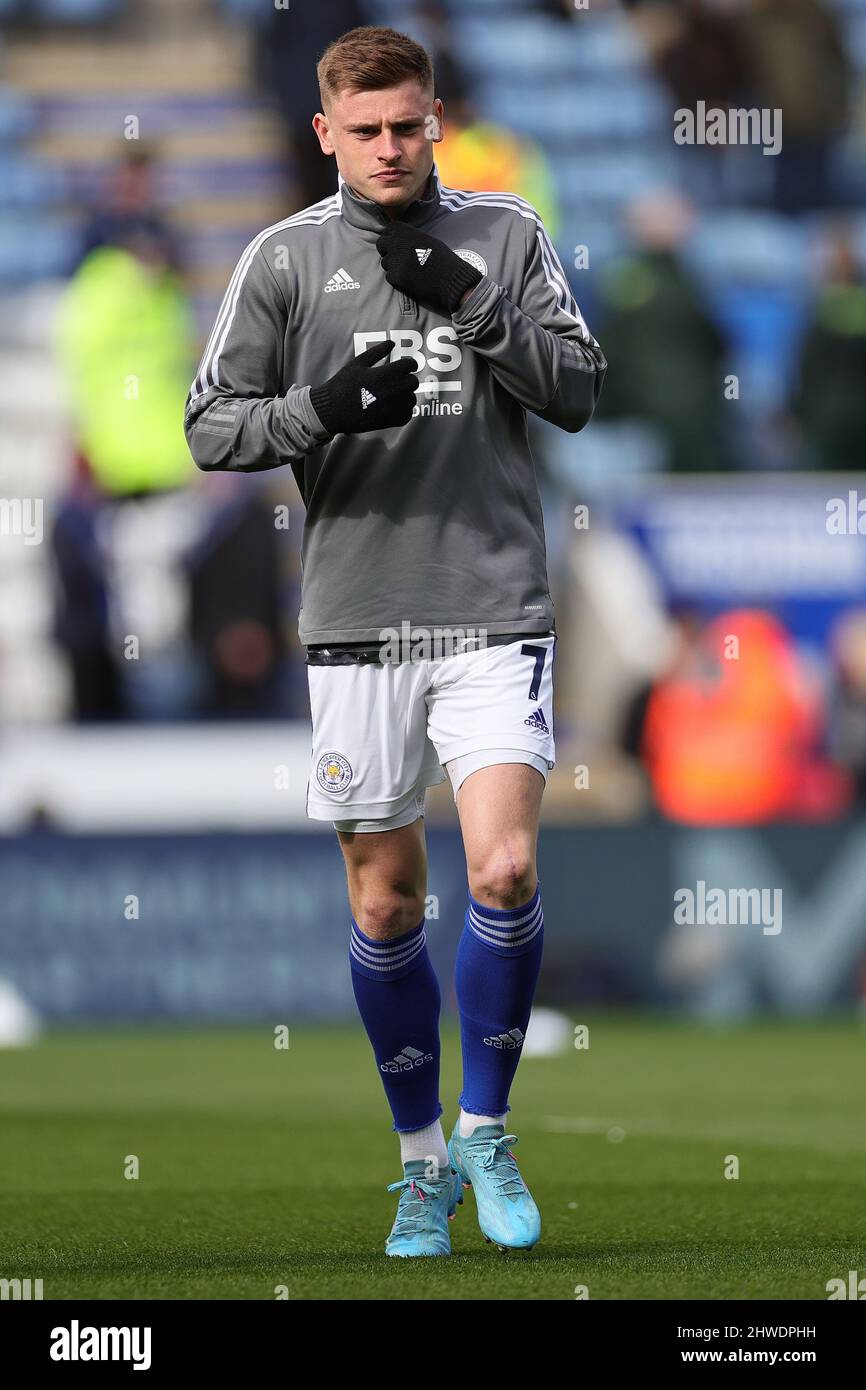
pixel 370 653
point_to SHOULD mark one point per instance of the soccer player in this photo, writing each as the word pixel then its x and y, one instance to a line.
pixel 387 343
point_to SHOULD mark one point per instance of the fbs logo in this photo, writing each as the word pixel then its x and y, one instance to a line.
pixel 506 1041
pixel 439 352
pixel 437 357
pixel 341 280
pixel 406 1060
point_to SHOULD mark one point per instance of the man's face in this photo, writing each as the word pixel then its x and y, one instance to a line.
pixel 383 141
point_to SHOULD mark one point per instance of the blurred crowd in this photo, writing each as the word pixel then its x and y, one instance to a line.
pixel 196 568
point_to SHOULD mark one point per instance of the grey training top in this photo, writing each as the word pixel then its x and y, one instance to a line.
pixel 437 522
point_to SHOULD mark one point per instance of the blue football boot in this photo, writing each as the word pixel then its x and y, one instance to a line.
pixel 507 1214
pixel 423 1212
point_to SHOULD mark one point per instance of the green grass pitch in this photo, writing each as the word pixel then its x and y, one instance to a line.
pixel 262 1168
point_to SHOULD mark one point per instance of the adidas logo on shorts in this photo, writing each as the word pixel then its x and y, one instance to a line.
pixel 407 1059
pixel 508 1041
pixel 537 721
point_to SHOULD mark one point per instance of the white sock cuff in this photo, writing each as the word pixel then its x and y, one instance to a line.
pixel 467 1124
pixel 426 1144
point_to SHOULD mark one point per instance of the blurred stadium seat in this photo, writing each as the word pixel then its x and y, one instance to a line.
pixel 17 115
pixel 79 11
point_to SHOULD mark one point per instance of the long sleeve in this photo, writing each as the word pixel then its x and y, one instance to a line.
pixel 236 418
pixel 540 350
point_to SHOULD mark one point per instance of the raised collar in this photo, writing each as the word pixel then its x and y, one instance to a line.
pixel 368 215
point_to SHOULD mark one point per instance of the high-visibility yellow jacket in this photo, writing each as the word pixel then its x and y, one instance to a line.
pixel 486 157
pixel 126 339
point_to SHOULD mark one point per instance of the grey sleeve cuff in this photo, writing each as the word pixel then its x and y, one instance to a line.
pixel 475 309
pixel 302 404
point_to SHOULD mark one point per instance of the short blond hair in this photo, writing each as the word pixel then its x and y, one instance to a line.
pixel 369 59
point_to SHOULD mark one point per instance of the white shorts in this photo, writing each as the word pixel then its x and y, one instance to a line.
pixel 383 733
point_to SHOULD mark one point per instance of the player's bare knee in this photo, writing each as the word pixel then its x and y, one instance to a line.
pixel 384 915
pixel 506 880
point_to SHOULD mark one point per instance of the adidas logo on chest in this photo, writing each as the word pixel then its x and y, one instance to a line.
pixel 341 280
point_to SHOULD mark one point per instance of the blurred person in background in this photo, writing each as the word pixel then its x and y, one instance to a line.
pixel 799 66
pixel 128 212
pixel 237 605
pixel 667 354
pixel 697 49
pixel 733 731
pixel 126 338
pixel 783 55
pixel 288 46
pixel 705 57
pixel 830 399
pixel 485 156
pixel 698 52
pixel 147 624
pixel 848 699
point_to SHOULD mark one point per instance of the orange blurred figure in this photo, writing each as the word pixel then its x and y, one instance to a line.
pixel 732 732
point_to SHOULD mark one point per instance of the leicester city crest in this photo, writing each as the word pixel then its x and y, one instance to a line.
pixel 472 258
pixel 334 772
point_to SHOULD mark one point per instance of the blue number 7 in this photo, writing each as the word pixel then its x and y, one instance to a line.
pixel 539 653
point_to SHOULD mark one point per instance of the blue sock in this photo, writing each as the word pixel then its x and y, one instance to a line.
pixel 498 961
pixel 398 998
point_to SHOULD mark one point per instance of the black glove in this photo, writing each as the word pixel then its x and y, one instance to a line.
pixel 361 397
pixel 424 267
